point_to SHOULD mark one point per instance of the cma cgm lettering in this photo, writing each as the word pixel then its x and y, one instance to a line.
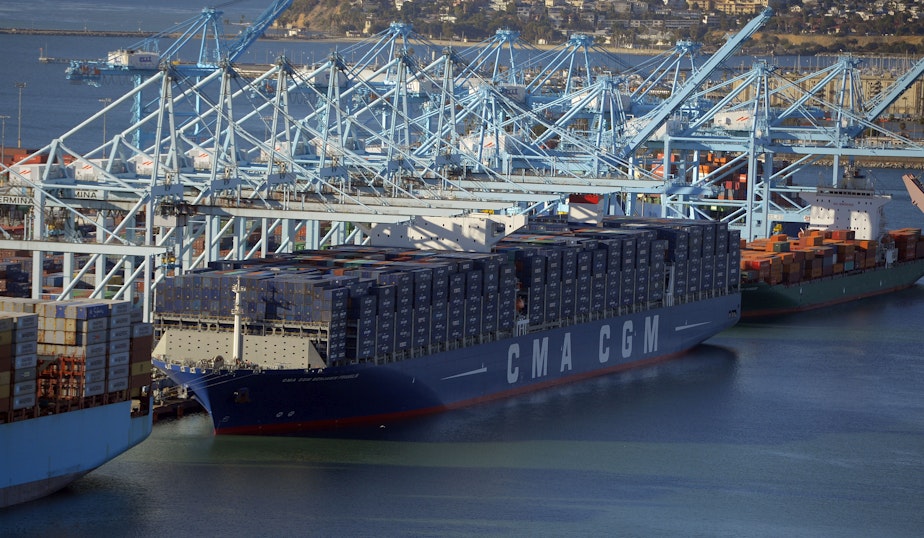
pixel 540 349
pixel 368 334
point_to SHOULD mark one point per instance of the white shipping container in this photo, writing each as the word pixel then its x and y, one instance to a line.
pixel 57 337
pixel 490 145
pixel 51 324
pixel 424 86
pixel 734 121
pixel 94 169
pixel 284 148
pixel 47 310
pixel 144 165
pixel 144 60
pixel 201 158
pixel 20 306
pixel 26 175
pixel 62 323
pixel 137 59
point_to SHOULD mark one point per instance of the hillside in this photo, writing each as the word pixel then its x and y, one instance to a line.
pixel 477 20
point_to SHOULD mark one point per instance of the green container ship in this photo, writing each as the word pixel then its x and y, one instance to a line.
pixel 761 299
pixel 852 257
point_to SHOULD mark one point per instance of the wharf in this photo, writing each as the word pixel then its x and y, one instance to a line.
pixel 175 408
pixel 171 401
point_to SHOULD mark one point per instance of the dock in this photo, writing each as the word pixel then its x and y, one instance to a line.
pixel 175 408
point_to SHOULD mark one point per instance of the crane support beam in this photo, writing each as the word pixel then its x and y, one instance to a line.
pixel 82 248
pixel 677 100
pixel 894 92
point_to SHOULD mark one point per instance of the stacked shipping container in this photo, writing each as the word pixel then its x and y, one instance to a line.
pixel 784 260
pixel 67 355
pixel 18 361
pixel 376 302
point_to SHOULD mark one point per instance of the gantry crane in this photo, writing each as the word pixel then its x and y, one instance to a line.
pixel 233 171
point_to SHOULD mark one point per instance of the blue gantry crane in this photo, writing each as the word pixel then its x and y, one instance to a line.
pixel 143 58
pixel 232 171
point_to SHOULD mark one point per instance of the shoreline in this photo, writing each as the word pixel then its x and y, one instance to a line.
pixel 325 39
pixel 864 162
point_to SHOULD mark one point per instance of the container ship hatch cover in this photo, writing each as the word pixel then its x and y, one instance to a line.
pixel 421 323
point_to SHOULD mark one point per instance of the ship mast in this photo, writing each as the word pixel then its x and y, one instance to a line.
pixel 237 349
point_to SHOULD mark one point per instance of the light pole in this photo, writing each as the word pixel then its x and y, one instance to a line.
pixel 105 101
pixel 3 139
pixel 20 86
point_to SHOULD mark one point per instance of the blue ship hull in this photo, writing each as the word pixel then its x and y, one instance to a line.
pixel 45 454
pixel 254 401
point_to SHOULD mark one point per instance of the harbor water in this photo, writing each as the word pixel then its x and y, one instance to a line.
pixel 812 425
pixel 806 425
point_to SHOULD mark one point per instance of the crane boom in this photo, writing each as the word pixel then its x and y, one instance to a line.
pixel 671 105
pixel 255 30
pixel 145 57
pixel 891 95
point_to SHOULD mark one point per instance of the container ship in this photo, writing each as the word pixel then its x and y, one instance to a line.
pixel 440 314
pixel 843 255
pixel 73 378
